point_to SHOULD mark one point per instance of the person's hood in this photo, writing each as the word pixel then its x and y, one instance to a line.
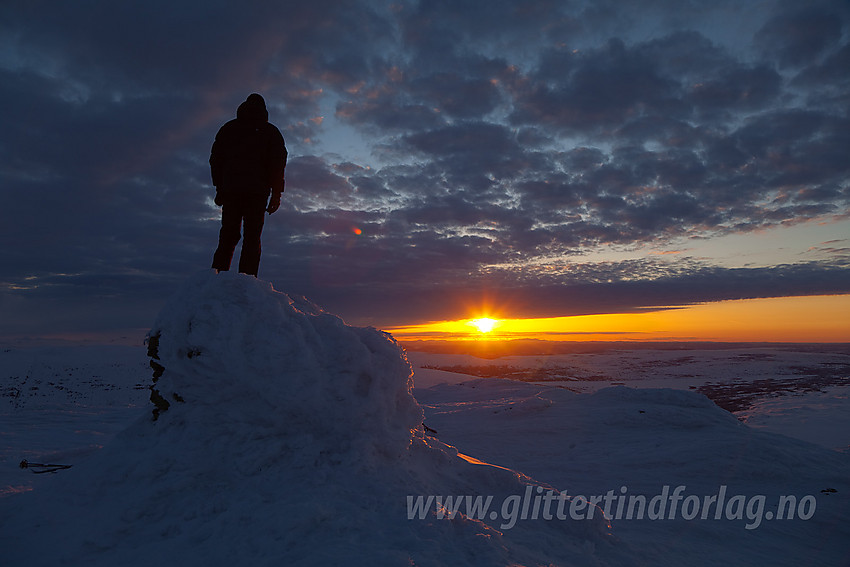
pixel 254 108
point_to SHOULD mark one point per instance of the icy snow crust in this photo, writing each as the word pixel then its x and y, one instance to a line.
pixel 279 365
pixel 297 443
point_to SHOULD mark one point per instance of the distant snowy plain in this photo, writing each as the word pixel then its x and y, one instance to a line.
pixel 631 425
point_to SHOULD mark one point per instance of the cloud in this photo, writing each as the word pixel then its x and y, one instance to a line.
pixel 585 290
pixel 799 36
pixel 439 152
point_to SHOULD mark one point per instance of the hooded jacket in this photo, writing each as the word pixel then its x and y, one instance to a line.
pixel 249 155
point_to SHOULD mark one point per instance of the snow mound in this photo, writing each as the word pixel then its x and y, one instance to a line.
pixel 290 438
pixel 248 355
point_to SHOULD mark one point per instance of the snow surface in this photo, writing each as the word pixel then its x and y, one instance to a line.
pixel 821 417
pixel 802 391
pixel 299 441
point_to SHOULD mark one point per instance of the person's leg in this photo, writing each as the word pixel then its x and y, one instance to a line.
pixel 228 236
pixel 254 216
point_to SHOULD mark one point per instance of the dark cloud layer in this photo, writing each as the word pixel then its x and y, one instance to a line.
pixel 499 136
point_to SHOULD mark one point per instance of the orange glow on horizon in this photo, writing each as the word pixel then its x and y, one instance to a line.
pixel 786 319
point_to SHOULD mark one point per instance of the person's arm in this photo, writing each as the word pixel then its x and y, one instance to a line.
pixel 215 166
pixel 278 159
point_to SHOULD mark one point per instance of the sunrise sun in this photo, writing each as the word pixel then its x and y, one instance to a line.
pixel 484 325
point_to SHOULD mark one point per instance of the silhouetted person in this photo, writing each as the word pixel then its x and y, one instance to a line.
pixel 247 163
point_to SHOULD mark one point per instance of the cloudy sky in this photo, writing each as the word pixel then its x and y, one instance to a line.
pixel 549 158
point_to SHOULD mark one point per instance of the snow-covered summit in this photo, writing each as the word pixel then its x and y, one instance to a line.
pixel 290 438
pixel 237 351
